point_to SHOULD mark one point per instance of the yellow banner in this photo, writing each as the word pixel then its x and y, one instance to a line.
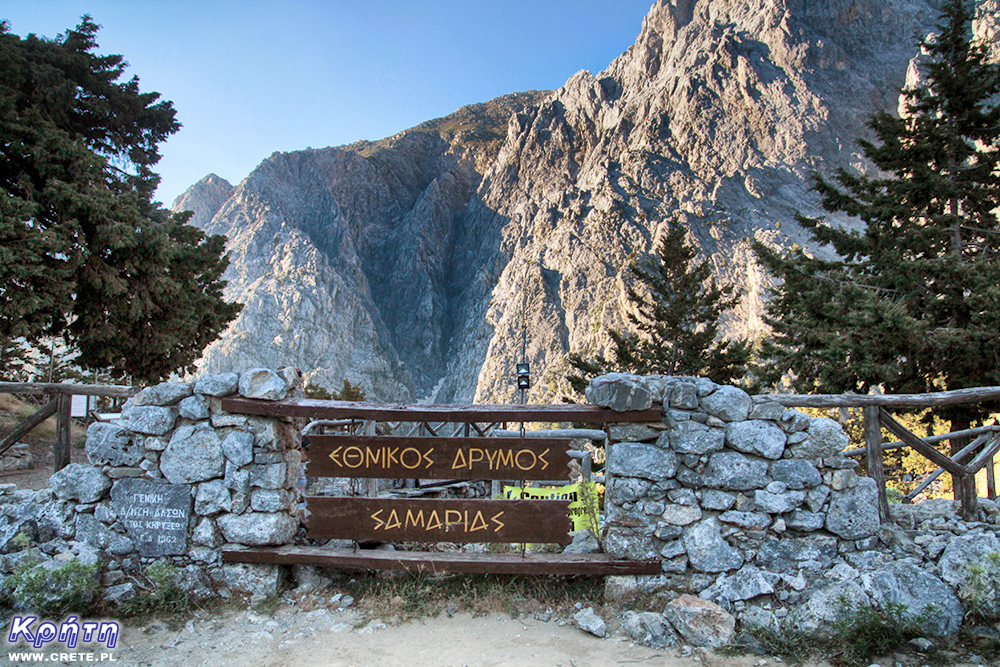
pixel 582 497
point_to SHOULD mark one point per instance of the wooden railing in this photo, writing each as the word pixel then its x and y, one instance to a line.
pixel 59 405
pixel 876 417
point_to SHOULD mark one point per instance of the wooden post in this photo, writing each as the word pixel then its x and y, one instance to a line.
pixel 965 492
pixel 991 485
pixel 873 447
pixel 61 450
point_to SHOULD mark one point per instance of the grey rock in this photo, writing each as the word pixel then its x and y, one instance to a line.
pixel 165 393
pixel 120 593
pixel 258 529
pixel 270 500
pixel 826 606
pixel 111 443
pixel 778 503
pixel 792 554
pixel 269 475
pixel 690 437
pixel 762 438
pixel 825 437
pixel 681 515
pixel 955 564
pixel 706 549
pixel 683 396
pixel 805 521
pixel 620 392
pixel 713 499
pixel 756 618
pixel 583 542
pixel 193 407
pixel 769 411
pixel 263 384
pixel 627 489
pixel 633 433
pixel 193 581
pixel 699 622
pixel 853 512
pixel 222 384
pixel 927 601
pixel 922 645
pixel 193 455
pixel 590 622
pixel 647 461
pixel 238 447
pixel 252 578
pixel 729 404
pixel 748 520
pixel 80 482
pixel 151 419
pixel 207 534
pixel 627 543
pixel 816 498
pixel 745 584
pixel 793 421
pixel 796 473
pixel 211 498
pixel 649 629
pixel 735 472
pixel 91 531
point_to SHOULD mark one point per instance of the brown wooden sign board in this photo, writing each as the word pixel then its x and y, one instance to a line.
pixel 391 519
pixel 398 457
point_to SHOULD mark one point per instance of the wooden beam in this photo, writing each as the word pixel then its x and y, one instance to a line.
pixel 898 430
pixel 31 422
pixel 931 439
pixel 984 457
pixel 401 457
pixel 957 457
pixel 431 562
pixel 60 458
pixel 478 413
pixel 397 519
pixel 68 388
pixel 873 444
pixel 937 399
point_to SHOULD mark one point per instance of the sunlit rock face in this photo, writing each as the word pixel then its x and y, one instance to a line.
pixel 425 265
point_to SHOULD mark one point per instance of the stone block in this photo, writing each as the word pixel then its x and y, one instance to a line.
pixel 262 384
pixel 165 393
pixel 193 455
pixel 733 471
pixel 701 623
pixel 634 459
pixel 222 384
pixel 730 404
pixel 756 436
pixel 620 392
pixel 81 482
pixel 112 444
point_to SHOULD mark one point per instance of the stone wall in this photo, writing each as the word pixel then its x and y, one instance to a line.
pixel 754 508
pixel 174 480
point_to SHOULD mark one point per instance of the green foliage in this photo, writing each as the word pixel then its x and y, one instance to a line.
pixel 677 308
pixel 350 392
pixel 71 587
pixel 980 592
pixel 164 597
pixel 866 633
pixel 315 391
pixel 912 301
pixel 84 251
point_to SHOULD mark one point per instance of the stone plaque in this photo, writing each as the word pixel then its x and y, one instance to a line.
pixel 155 515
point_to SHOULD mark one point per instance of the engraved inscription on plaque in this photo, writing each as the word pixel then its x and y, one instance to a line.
pixel 155 515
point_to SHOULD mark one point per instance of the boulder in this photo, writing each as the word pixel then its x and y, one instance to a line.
pixel 729 404
pixel 165 393
pixel 80 482
pixel 706 549
pixel 853 513
pixel 257 528
pixel 733 471
pixel 193 455
pixel 151 419
pixel 262 384
pixel 924 598
pixel 691 437
pixel 635 459
pixel 824 437
pixel 194 407
pixel 222 384
pixel 649 629
pixel 756 436
pixel 238 447
pixel 112 444
pixel 825 607
pixel 745 584
pixel 699 622
pixel 620 392
pixel 590 622
pixel 796 473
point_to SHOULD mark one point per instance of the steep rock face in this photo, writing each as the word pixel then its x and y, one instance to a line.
pixel 204 199
pixel 428 264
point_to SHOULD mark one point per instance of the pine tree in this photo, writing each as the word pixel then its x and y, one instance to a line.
pixel 677 307
pixel 912 302
pixel 84 251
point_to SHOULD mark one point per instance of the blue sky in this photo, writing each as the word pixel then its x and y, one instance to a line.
pixel 250 78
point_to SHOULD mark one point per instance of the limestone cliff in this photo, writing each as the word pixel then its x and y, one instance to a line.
pixel 421 264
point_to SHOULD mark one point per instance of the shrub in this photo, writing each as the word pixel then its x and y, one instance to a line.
pixel 164 597
pixel 53 588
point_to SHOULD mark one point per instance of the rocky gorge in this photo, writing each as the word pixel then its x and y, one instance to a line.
pixel 421 265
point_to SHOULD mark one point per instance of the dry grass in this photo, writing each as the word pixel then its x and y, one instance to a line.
pixel 14 410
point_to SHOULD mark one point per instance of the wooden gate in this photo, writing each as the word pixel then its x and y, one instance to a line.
pixel 465 457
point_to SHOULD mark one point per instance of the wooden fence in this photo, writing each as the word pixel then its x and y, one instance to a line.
pixel 60 405
pixel 876 417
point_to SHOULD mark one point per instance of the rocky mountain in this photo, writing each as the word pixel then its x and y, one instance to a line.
pixel 427 264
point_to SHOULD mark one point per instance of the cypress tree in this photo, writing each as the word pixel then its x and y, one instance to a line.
pixel 84 251
pixel 676 312
pixel 911 302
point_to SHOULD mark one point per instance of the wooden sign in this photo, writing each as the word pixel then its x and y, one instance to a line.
pixel 398 457
pixel 390 520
